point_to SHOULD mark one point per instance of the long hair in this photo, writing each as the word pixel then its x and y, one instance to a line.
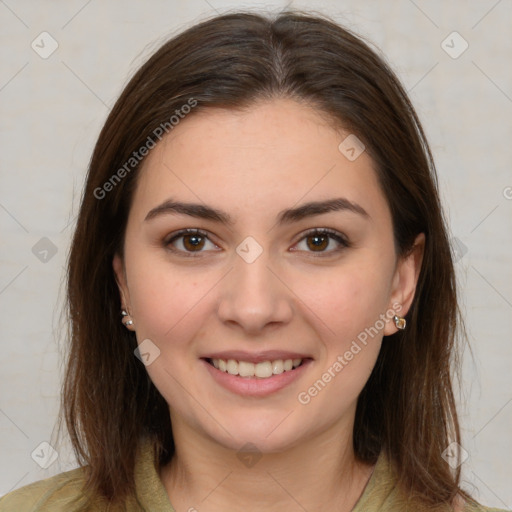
pixel 407 408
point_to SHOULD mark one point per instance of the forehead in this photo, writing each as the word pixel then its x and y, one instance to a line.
pixel 273 155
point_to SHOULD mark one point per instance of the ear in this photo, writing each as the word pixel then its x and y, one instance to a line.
pixel 404 282
pixel 120 275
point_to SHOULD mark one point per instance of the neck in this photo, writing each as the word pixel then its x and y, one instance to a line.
pixel 318 474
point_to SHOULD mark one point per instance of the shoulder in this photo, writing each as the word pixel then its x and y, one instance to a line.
pixel 63 492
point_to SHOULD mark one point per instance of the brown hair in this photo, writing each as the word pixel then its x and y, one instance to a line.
pixel 407 407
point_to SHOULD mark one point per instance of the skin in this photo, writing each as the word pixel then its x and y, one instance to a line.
pixel 276 155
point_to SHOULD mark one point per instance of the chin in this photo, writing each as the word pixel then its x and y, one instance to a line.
pixel 266 436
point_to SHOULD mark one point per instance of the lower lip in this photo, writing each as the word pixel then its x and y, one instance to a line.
pixel 255 386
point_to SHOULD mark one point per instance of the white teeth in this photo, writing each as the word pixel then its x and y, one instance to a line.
pixel 245 369
pixel 232 367
pixel 277 367
pixel 262 370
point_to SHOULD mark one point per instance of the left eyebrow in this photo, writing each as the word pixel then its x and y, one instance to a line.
pixel 287 216
pixel 319 208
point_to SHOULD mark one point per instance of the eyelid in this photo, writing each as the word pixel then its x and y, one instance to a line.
pixel 183 232
pixel 342 239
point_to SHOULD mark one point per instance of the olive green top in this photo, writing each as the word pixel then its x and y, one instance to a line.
pixel 62 493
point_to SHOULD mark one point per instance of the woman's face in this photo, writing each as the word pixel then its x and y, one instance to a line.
pixel 260 289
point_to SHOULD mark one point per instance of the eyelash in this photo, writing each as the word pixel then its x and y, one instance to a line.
pixel 332 234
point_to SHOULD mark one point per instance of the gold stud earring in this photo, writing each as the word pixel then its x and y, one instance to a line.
pixel 400 322
pixel 126 320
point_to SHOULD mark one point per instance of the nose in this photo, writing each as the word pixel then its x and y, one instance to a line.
pixel 254 296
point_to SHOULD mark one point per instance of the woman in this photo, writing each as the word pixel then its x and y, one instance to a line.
pixel 261 292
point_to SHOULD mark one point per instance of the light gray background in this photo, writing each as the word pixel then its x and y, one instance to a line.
pixel 51 114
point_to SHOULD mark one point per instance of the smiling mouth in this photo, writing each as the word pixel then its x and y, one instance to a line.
pixel 261 370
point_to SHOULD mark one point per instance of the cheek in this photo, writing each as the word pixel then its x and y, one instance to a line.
pixel 162 300
pixel 170 303
pixel 347 306
pixel 351 335
pixel 168 306
pixel 345 301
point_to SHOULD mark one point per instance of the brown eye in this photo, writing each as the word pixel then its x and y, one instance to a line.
pixel 192 241
pixel 318 240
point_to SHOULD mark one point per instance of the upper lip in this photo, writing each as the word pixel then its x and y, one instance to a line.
pixel 255 357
